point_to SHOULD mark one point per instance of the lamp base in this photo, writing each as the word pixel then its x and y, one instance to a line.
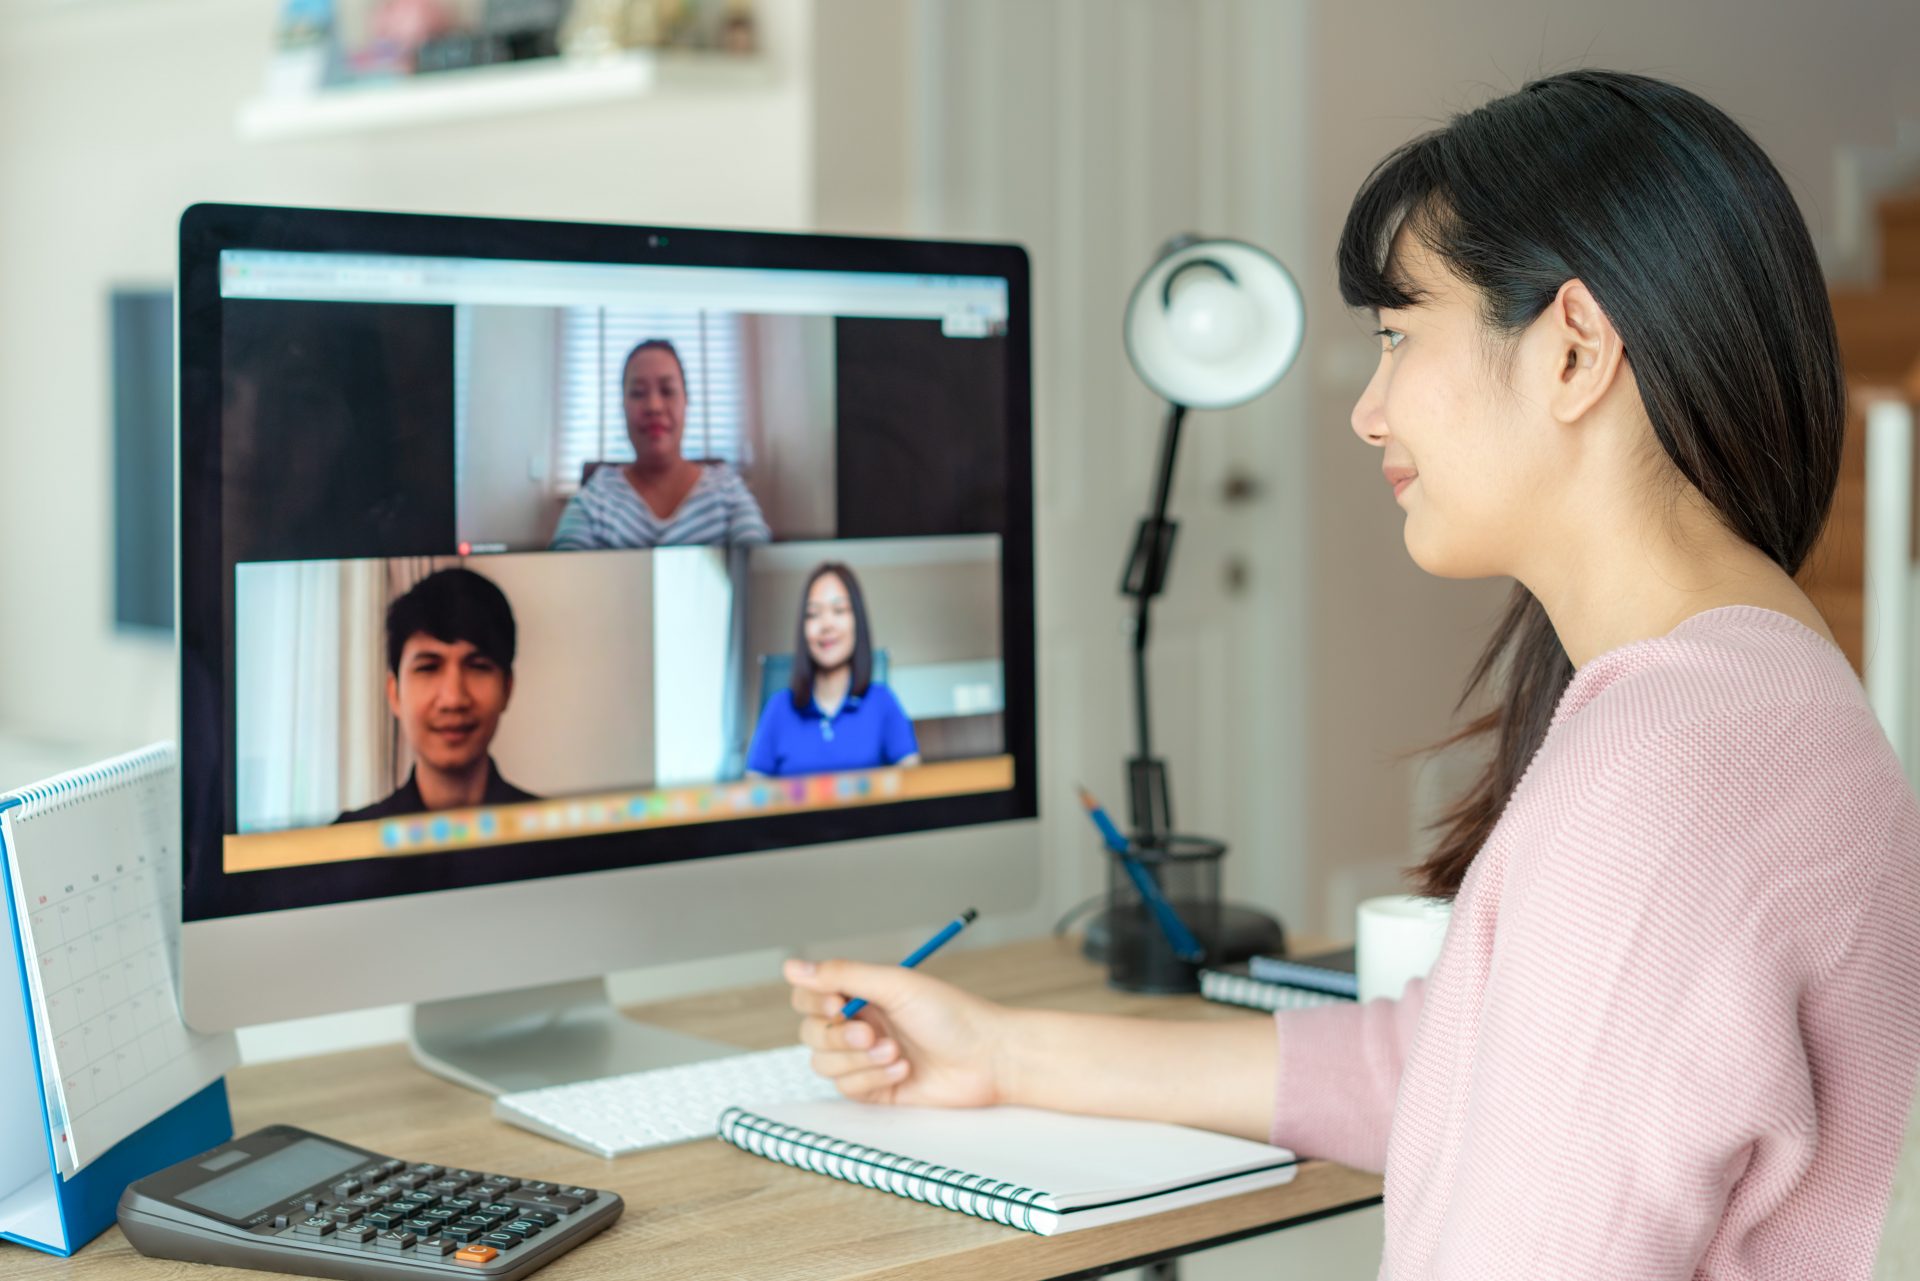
pixel 1243 932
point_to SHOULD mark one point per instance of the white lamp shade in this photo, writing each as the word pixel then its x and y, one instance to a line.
pixel 1214 323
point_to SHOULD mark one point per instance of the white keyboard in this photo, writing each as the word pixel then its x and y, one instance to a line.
pixel 615 1115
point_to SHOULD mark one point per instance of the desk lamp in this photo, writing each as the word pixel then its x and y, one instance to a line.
pixel 1212 324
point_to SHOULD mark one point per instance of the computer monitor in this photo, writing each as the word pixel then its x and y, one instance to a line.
pixel 560 598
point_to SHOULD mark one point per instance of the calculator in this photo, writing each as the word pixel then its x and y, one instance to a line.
pixel 285 1200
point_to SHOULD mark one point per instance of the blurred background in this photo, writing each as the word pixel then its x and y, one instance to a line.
pixel 1301 658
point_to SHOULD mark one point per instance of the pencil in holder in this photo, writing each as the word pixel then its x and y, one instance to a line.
pixel 1160 947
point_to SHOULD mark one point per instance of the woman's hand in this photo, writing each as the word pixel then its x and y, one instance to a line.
pixel 919 1041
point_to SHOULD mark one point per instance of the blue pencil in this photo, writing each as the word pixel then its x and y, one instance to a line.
pixel 1179 937
pixel 920 954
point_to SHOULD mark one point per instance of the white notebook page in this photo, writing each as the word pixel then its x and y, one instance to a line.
pixel 1075 1160
pixel 97 885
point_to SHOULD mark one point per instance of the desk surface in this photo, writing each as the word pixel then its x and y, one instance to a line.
pixel 702 1210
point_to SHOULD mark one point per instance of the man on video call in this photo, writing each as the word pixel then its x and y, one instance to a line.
pixel 450 642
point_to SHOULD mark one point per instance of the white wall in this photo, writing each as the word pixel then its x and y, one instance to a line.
pixel 581 717
pixel 504 490
pixel 1090 132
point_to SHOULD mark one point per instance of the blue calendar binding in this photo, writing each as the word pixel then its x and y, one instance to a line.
pixel 39 1206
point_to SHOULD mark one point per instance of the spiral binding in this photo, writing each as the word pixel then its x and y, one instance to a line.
pixel 1259 994
pixel 951 1189
pixel 65 790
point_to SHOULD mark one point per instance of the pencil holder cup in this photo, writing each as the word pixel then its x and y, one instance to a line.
pixel 1141 951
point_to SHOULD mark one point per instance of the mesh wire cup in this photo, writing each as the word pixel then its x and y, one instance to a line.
pixel 1140 958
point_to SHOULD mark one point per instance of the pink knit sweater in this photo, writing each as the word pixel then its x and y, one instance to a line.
pixel 1674 1028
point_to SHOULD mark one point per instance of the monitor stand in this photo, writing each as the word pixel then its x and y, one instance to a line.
pixel 542 1036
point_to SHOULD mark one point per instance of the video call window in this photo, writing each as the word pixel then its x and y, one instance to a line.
pixel 530 550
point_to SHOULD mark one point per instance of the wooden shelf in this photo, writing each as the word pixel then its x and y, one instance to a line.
pixel 508 89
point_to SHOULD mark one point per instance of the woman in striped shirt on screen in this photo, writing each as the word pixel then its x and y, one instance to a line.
pixel 662 498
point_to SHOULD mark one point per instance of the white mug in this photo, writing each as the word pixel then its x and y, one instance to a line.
pixel 1397 937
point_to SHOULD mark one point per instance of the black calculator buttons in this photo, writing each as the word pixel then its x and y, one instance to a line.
pixel 358 1233
pixel 523 1227
pixel 437 1245
pixel 501 1241
pixel 395 1239
pixel 315 1225
pixel 545 1218
pixel 347 1187
pixel 367 1201
pixel 347 1213
pixel 585 1196
pixel 384 1219
pixel 386 1191
pixel 426 1169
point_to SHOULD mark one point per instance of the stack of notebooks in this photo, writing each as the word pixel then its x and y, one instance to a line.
pixel 1283 983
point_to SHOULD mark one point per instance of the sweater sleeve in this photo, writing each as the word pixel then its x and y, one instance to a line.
pixel 1339 1071
pixel 1641 1046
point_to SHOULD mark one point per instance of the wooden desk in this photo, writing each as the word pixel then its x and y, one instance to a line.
pixel 704 1210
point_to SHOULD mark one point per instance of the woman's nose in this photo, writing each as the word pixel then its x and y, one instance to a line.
pixel 1370 411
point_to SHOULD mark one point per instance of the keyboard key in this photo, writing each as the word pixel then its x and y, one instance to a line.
pixel 359 1233
pixel 315 1204
pixel 477 1254
pixel 410 1180
pixel 501 1241
pixel 347 1213
pixel 427 1171
pixel 367 1201
pixel 553 1201
pixel 500 1209
pixel 537 1189
pixel 585 1196
pixel 387 1191
pixel 423 1227
pixel 384 1219
pixel 444 1187
pixel 347 1187
pixel 481 1222
pixel 461 1204
pixel 316 1225
pixel 395 1239
pixel 437 1245
pixel 463 1233
pixel 441 1215
pixel 545 1218
pixel 389 1165
pixel 524 1227
pixel 465 1176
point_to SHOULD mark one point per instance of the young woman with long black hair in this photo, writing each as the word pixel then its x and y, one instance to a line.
pixel 1675 1024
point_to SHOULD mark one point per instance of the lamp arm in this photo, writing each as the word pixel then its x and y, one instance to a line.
pixel 1146 576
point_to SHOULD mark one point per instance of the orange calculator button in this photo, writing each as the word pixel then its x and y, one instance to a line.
pixel 476 1254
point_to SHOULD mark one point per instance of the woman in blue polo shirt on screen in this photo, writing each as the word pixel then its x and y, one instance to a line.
pixel 835 716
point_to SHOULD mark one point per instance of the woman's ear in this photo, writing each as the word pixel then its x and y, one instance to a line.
pixel 1586 350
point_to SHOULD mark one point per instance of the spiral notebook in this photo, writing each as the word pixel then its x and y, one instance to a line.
pixel 1237 985
pixel 101 1082
pixel 1043 1172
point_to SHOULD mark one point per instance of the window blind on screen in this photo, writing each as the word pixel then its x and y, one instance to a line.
pixel 594 341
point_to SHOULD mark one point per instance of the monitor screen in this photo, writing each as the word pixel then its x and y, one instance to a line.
pixel 530 549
